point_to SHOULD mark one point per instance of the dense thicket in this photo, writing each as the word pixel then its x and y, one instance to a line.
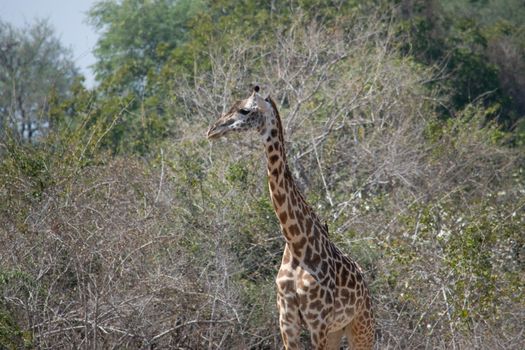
pixel 122 227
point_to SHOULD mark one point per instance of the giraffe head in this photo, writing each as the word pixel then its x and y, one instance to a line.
pixel 248 114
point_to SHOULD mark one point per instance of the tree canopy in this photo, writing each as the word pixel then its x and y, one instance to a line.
pixel 137 37
pixel 34 68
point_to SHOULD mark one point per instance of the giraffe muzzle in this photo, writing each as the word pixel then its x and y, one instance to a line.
pixel 221 127
pixel 215 132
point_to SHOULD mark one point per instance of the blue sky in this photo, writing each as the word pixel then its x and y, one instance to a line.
pixel 68 17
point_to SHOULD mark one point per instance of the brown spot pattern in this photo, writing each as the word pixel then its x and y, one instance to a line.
pixel 283 217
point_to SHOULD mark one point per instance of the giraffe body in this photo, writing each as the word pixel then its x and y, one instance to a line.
pixel 317 285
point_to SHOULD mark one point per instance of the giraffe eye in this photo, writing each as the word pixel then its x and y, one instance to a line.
pixel 244 111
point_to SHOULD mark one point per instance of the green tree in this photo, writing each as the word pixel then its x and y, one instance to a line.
pixel 34 65
pixel 136 38
pixel 479 45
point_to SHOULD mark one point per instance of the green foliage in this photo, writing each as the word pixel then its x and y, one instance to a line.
pixel 473 78
pixel 467 39
pixel 137 37
pixel 475 265
pixel 11 335
pixel 33 65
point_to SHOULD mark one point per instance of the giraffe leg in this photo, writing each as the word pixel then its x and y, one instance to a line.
pixel 289 322
pixel 319 339
pixel 360 332
pixel 334 340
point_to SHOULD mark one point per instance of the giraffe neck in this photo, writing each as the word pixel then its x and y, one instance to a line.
pixel 298 221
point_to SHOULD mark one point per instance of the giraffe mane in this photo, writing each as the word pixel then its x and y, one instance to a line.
pixel 277 115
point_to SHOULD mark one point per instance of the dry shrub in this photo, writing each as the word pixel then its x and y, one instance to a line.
pixel 105 261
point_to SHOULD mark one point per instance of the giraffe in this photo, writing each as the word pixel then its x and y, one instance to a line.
pixel 317 285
